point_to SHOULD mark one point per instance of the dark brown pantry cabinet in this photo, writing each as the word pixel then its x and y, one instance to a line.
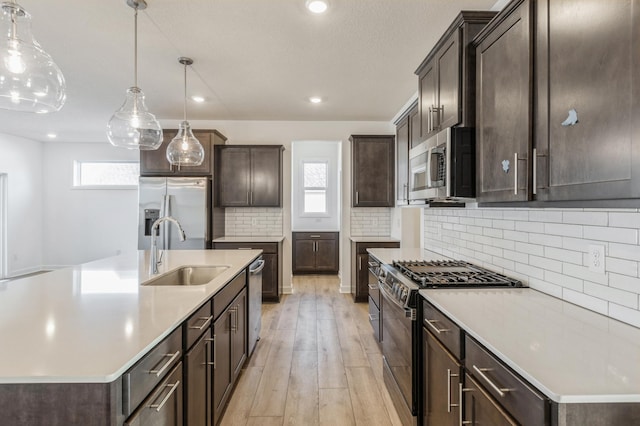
pixel 315 252
pixel 504 99
pixel 155 163
pixel 446 78
pixel 372 170
pixel 248 175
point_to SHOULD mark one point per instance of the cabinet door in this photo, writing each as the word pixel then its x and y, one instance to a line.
pixel 270 278
pixel 373 170
pixel 362 277
pixel 222 362
pixel 592 69
pixel 154 162
pixel 327 256
pixel 402 161
pixel 481 409
pixel 238 333
pixel 205 167
pixel 266 171
pixel 441 384
pixel 414 127
pixel 304 255
pixel 448 67
pixel 428 100
pixel 503 116
pixel 233 165
pixel 197 391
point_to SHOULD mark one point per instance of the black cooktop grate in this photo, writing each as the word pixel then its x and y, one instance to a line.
pixel 452 274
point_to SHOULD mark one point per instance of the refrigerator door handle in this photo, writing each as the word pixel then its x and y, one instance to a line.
pixel 166 207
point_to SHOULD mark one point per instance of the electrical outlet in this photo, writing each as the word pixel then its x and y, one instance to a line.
pixel 254 221
pixel 596 258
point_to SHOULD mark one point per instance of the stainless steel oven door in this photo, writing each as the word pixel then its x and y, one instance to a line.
pixel 397 326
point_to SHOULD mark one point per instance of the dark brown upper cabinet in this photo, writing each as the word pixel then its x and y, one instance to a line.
pixel 407 137
pixel 587 133
pixel 248 175
pixel 155 163
pixel 446 77
pixel 561 95
pixel 504 97
pixel 373 170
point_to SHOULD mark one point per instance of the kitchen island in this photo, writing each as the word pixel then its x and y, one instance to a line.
pixel 89 324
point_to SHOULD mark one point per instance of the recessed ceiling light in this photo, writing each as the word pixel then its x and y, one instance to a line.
pixel 52 135
pixel 317 6
pixel 198 99
pixel 315 99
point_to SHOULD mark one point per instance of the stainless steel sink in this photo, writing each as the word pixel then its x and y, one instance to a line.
pixel 188 275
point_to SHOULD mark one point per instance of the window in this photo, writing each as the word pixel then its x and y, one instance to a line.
pixel 314 175
pixel 106 174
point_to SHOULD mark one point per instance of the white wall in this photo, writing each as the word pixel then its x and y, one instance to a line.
pixel 322 151
pixel 21 160
pixel 81 225
pixel 548 250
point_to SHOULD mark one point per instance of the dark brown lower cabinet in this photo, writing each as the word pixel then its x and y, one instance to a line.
pixel 230 351
pixel 315 252
pixel 442 384
pixel 198 375
pixel 360 266
pixel 163 407
pixel 481 409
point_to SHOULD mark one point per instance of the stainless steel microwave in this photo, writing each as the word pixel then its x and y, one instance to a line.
pixel 443 167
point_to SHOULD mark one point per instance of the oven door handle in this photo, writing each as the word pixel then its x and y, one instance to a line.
pixel 409 312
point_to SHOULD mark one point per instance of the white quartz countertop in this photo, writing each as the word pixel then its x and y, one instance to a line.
pixel 374 240
pixel 569 353
pixel 91 322
pixel 388 255
pixel 275 239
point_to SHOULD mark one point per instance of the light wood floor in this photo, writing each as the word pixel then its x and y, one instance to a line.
pixel 317 363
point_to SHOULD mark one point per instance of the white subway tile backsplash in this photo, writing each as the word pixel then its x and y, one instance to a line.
pixel 262 222
pixel 372 222
pixel 548 250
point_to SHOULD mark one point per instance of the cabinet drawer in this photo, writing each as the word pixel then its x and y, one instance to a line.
pixel 140 379
pixel 523 402
pixel 270 248
pixel 315 235
pixel 164 404
pixel 443 329
pixel 374 319
pixel 197 324
pixel 228 293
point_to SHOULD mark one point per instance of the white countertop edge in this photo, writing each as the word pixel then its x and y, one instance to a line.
pixel 249 239
pixel 560 399
pixel 367 239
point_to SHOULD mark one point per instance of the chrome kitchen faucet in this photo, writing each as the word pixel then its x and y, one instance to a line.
pixel 156 259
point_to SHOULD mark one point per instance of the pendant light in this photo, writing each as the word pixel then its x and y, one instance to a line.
pixel 185 149
pixel 133 126
pixel 29 79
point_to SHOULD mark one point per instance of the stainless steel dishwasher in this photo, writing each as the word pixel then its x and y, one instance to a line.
pixel 255 302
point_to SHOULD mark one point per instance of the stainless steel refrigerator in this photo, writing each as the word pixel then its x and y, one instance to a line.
pixel 186 199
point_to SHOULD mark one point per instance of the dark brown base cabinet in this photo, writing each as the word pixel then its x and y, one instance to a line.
pixel 360 267
pixel 315 252
pixel 272 272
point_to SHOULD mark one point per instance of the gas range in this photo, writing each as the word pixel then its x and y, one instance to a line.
pixel 403 279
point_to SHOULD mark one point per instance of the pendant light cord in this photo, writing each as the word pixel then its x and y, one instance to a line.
pixel 135 48
pixel 185 92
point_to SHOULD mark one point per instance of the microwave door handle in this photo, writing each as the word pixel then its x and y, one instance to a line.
pixel 428 170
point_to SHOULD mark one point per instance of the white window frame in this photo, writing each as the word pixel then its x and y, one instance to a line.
pixel 303 188
pixel 77 178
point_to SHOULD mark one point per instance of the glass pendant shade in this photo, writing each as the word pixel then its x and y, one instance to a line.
pixel 185 149
pixel 29 79
pixel 133 126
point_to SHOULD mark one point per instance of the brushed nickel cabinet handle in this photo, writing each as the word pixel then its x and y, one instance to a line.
pixel 372 318
pixel 207 344
pixel 515 173
pixel 449 404
pixel 357 198
pixel 437 330
pixel 499 390
pixel 373 287
pixel 314 236
pixel 535 170
pixel 159 372
pixel 213 339
pixel 206 322
pixel 173 387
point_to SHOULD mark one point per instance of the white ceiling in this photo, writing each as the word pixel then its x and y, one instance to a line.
pixel 253 59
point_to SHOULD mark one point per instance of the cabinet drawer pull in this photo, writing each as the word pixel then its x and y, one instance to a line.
pixel 480 371
pixel 357 199
pixel 373 318
pixel 314 236
pixel 373 287
pixel 245 248
pixel 159 372
pixel 449 404
pixel 206 322
pixel 437 330
pixel 515 173
pixel 159 406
